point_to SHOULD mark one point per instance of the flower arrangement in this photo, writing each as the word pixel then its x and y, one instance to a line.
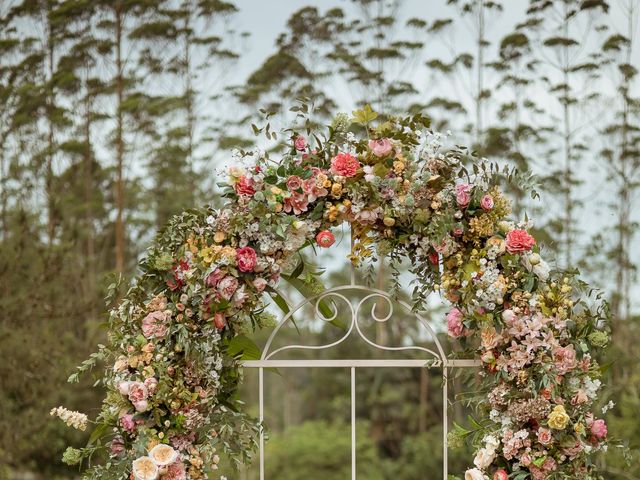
pixel 176 337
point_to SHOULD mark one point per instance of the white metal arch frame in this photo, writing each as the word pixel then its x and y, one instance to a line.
pixel 433 359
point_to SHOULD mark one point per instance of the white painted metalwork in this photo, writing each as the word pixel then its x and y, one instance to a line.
pixel 337 296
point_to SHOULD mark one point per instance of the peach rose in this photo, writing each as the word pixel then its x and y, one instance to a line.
pixel 300 143
pixel 325 239
pixel 246 258
pixel 519 240
pixel 345 165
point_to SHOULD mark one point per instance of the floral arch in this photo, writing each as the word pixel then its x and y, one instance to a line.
pixel 177 338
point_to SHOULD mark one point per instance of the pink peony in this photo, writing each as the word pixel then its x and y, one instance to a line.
pixel 214 277
pixel 325 239
pixel 127 422
pixel 175 471
pixel 246 258
pixel 599 429
pixel 151 383
pixel 381 147
pixel 294 183
pixel 296 203
pixel 564 359
pixel 245 187
pixel 219 320
pixel 463 194
pixel 141 405
pixel 519 241
pixel 117 446
pixel 500 474
pixel 227 287
pixel 455 326
pixel 300 143
pixel 259 284
pixel 137 392
pixel 345 165
pixel 154 325
pixel 123 387
pixel 487 202
pixel 544 436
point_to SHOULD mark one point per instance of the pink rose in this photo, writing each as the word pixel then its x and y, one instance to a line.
pixel 227 287
pixel 564 359
pixel 345 165
pixel 599 429
pixel 296 202
pixel 294 183
pixel 500 474
pixel 137 392
pixel 154 325
pixel 519 241
pixel 151 383
pixel 246 258
pixel 463 194
pixel 259 284
pixel 381 147
pixel 214 277
pixel 141 405
pixel 525 459
pixel 455 326
pixel 487 202
pixel 127 422
pixel 325 239
pixel 245 187
pixel 219 320
pixel 300 143
pixel 544 436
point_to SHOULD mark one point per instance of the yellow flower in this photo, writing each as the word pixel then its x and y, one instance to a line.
pixel 326 183
pixel 579 428
pixel 389 222
pixel 219 237
pixel 398 167
pixel 206 254
pixel 276 190
pixel 558 418
pixel 336 189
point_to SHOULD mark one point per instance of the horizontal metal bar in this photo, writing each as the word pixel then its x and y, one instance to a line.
pixel 348 363
pixel 338 363
pixel 463 363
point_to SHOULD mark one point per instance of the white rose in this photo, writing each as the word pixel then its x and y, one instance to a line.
pixel 541 270
pixel 484 458
pixel 163 455
pixel 473 474
pixel 145 469
pixel 508 316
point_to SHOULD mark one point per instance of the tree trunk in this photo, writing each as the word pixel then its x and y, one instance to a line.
pixel 119 143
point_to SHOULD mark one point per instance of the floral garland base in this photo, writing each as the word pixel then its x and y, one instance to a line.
pixel 176 337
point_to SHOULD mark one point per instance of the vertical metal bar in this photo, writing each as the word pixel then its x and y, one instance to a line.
pixel 351 266
pixel 445 422
pixel 353 423
pixel 261 402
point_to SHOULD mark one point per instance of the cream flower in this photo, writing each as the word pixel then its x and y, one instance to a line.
pixel 163 455
pixel 145 469
pixel 484 458
pixel 473 474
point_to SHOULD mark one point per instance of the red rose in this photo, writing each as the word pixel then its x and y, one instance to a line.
pixel 244 186
pixel 519 240
pixel 500 474
pixel 345 165
pixel 325 239
pixel 246 258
